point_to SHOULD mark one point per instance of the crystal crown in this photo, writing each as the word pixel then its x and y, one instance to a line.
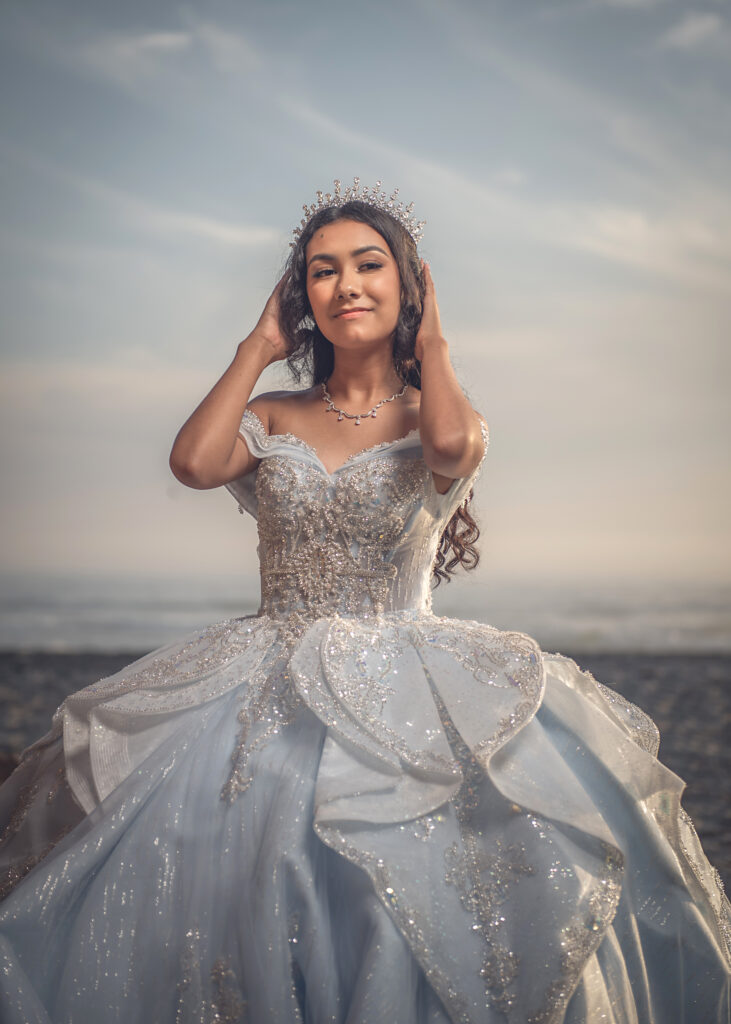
pixel 373 196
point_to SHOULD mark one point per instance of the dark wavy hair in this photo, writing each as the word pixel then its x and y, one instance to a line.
pixel 312 357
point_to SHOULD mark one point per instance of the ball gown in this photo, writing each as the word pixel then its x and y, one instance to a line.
pixel 349 809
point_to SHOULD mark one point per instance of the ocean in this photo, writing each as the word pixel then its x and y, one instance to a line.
pixel 132 613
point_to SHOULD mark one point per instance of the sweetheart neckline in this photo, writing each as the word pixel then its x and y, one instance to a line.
pixel 300 442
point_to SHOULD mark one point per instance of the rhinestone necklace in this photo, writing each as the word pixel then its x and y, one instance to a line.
pixel 357 416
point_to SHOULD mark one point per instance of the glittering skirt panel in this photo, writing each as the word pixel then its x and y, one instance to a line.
pixel 414 820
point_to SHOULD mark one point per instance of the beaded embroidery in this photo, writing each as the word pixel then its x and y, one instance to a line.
pixel 325 542
pixel 270 705
pixel 360 659
pixel 406 919
pixel 149 684
pixel 717 900
pixel 644 730
pixel 250 421
pixel 475 645
pixel 580 940
pixel 189 966
pixel 482 879
pixel 28 794
pixel 16 872
pixel 327 551
pixel 227 1003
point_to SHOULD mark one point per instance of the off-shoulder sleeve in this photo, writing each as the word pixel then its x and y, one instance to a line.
pixel 254 434
pixel 444 505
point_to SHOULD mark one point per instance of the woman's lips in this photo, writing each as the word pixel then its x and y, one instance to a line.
pixel 352 314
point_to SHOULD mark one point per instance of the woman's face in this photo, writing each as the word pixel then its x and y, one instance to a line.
pixel 353 284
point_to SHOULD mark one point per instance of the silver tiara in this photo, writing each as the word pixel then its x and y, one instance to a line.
pixel 370 195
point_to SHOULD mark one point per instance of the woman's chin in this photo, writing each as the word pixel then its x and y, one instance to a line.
pixel 357 332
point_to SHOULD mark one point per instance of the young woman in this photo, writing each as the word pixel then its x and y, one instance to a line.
pixel 346 808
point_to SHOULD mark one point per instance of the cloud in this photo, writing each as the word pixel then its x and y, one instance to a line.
pixel 674 245
pixel 492 187
pixel 125 58
pixel 695 30
pixel 163 220
pixel 30 387
pixel 145 215
pixel 130 59
pixel 626 5
pixel 637 5
pixel 690 249
pixel 155 67
pixel 162 42
pixel 230 52
pixel 626 129
pixel 510 177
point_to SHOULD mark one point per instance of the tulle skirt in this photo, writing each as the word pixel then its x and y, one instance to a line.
pixel 422 820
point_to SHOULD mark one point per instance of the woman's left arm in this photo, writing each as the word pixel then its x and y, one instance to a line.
pixel 451 437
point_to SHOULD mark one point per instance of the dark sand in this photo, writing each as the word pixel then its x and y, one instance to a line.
pixel 688 696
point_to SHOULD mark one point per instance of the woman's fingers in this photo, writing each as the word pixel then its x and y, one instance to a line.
pixel 430 314
pixel 278 288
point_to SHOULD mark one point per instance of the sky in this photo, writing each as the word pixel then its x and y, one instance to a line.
pixel 571 160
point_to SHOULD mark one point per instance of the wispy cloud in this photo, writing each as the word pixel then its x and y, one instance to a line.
pixel 132 59
pixel 146 65
pixel 696 30
pixel 577 8
pixel 26 389
pixel 677 246
pixel 671 243
pixel 650 138
pixel 144 214
pixel 160 219
pixel 636 5
pixel 127 58
pixel 230 51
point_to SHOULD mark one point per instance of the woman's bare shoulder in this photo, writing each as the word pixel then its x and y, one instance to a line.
pixel 269 403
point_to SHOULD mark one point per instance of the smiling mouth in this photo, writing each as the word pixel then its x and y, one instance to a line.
pixel 348 314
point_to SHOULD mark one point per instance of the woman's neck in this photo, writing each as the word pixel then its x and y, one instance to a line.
pixel 363 378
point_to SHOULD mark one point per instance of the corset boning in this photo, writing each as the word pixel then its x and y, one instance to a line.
pixel 321 575
pixel 335 547
pixel 323 578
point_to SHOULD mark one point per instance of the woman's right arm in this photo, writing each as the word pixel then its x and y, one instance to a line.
pixel 208 450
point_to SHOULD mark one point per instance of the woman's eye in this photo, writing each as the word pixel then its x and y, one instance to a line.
pixel 328 271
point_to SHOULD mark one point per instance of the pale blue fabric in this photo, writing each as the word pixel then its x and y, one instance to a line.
pixel 349 809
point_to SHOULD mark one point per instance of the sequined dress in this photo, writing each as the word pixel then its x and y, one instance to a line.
pixel 348 809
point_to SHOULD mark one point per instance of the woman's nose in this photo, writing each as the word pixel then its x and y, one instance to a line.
pixel 347 285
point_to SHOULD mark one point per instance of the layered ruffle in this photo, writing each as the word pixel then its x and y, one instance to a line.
pixel 509 811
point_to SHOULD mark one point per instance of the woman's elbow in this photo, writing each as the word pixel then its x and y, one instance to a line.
pixel 187 471
pixel 452 455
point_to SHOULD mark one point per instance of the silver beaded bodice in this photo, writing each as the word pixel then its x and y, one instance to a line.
pixel 359 541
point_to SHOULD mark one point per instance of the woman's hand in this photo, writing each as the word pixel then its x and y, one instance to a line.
pixel 451 438
pixel 430 328
pixel 267 331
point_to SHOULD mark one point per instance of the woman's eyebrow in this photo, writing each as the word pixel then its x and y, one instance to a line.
pixel 355 252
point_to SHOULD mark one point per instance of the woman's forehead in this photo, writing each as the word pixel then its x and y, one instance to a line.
pixel 344 236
